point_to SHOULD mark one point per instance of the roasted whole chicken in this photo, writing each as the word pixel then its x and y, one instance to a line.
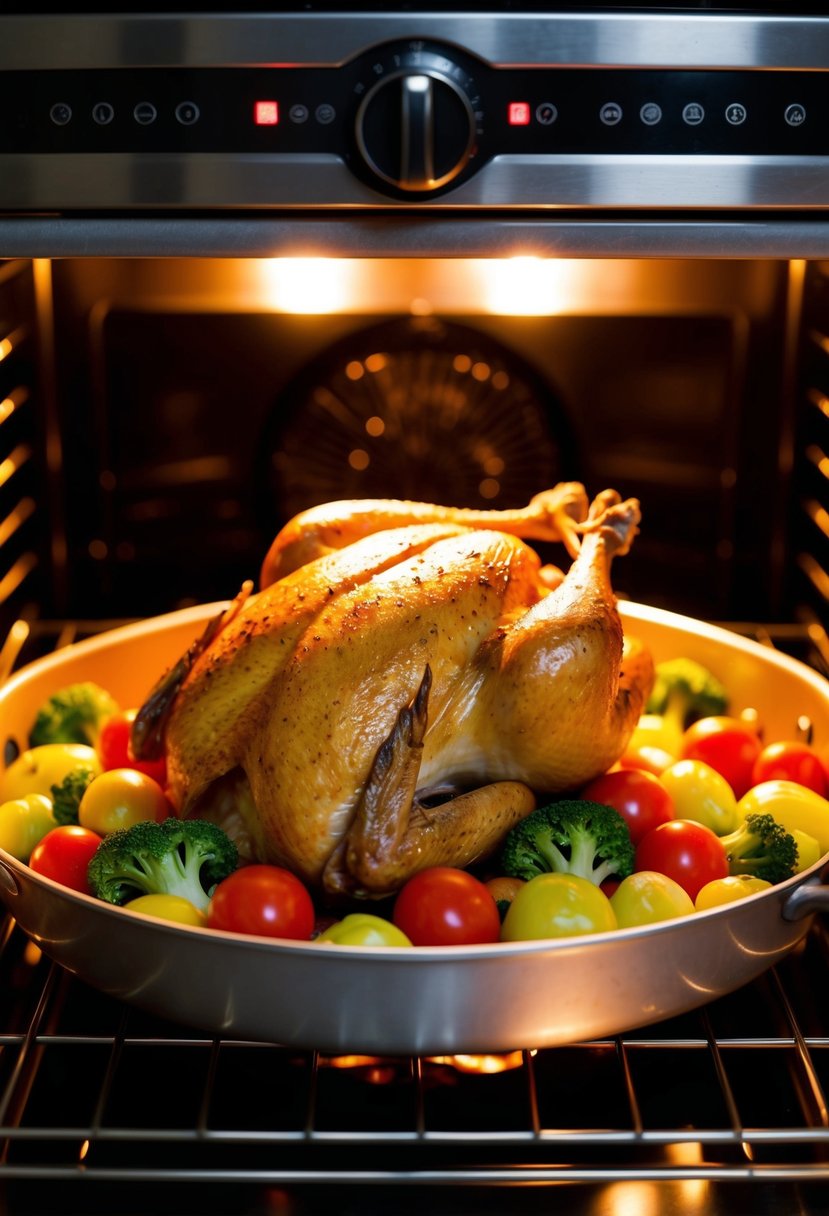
pixel 404 685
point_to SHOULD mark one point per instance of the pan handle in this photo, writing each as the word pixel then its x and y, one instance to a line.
pixel 811 896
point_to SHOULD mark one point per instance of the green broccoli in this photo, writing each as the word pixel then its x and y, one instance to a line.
pixel 66 797
pixel 685 690
pixel 761 847
pixel 74 714
pixel 186 857
pixel 573 836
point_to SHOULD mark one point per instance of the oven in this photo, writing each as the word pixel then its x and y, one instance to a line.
pixel 254 261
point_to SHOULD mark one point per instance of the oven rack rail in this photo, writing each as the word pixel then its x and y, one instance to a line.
pixel 94 1091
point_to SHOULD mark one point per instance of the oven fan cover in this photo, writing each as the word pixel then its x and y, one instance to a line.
pixel 416 408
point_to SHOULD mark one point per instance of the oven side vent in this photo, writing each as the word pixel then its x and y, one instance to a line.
pixel 808 564
pixel 21 481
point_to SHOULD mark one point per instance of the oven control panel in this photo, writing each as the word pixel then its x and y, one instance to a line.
pixel 410 120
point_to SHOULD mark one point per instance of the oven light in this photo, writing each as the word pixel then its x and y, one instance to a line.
pixel 527 286
pixel 308 285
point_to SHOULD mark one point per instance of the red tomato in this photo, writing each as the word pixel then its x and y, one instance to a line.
pixel 265 900
pixel 442 906
pixel 639 797
pixel 64 854
pixel 790 762
pixel 115 751
pixel 688 852
pixel 726 744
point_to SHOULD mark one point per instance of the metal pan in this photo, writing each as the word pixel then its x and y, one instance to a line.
pixel 423 1001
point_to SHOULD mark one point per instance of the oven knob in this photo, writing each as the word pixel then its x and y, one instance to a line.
pixel 416 127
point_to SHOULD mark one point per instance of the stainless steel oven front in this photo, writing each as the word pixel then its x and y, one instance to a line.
pixel 252 261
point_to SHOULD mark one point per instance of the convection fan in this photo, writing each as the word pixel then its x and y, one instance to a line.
pixel 416 408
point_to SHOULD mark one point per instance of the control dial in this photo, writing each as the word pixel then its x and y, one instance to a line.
pixel 417 121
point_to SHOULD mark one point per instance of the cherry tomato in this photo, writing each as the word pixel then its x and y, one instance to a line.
pixel 647 897
pixel 792 805
pixel 37 769
pixel 727 890
pixel 168 907
pixel 64 854
pixel 649 757
pixel 557 905
pixel 701 793
pixel 265 900
pixel 442 906
pixel 790 761
pixel 688 852
pixel 503 890
pixel 115 751
pixel 23 822
pixel 639 797
pixel 728 745
pixel 808 849
pixel 363 929
pixel 119 798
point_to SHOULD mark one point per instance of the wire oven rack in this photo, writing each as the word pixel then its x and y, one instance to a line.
pixel 105 1109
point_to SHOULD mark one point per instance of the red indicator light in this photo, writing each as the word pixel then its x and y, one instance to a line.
pixel 266 113
pixel 519 114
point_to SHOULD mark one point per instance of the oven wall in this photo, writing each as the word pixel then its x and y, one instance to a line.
pixel 191 406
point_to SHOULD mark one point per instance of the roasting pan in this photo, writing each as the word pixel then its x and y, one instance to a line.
pixel 422 1001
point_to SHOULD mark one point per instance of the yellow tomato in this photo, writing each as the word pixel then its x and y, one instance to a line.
pixel 791 804
pixel 363 929
pixel 557 905
pixel 700 793
pixel 727 890
pixel 647 897
pixel 168 907
pixel 23 823
pixel 808 849
pixel 119 798
pixel 37 769
pixel 654 730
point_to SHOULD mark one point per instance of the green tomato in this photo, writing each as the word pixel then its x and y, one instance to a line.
pixel 557 905
pixel 808 849
pixel 727 890
pixel 701 794
pixel 24 822
pixel 37 769
pixel 791 804
pixel 647 897
pixel 363 929
pixel 168 907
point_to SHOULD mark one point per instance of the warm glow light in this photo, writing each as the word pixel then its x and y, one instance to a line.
pixel 482 1064
pixel 309 285
pixel 527 286
pixel 31 954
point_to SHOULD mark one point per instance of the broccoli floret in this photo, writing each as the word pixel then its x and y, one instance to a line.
pixel 684 690
pixel 73 715
pixel 762 847
pixel 186 857
pixel 66 797
pixel 573 836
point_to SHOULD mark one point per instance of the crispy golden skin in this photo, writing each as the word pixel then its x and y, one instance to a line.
pixel 404 658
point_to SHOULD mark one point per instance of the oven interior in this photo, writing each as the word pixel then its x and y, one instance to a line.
pixel 159 420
